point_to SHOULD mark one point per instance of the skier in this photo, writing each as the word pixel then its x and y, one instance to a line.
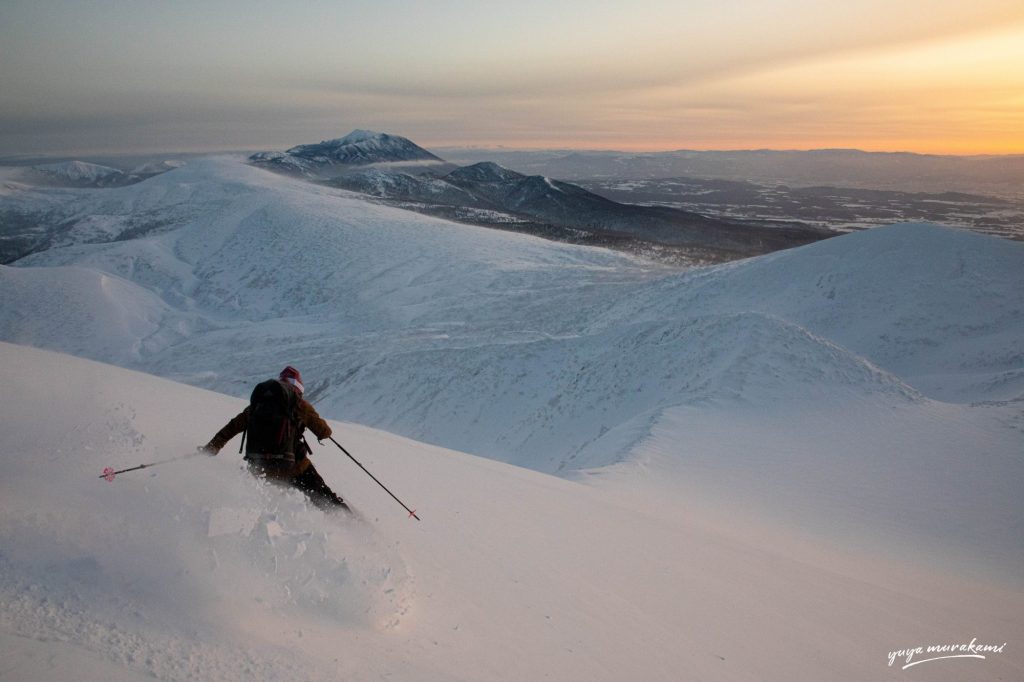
pixel 275 449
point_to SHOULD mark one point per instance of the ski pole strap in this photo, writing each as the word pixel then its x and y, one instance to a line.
pixel 412 512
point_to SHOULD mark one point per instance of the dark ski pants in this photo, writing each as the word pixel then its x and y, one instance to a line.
pixel 312 484
pixel 309 482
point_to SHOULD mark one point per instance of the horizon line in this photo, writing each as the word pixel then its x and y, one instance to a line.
pixel 499 148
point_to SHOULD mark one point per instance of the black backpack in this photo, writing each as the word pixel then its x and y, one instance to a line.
pixel 273 428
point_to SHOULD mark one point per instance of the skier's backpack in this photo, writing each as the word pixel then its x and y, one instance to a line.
pixel 273 427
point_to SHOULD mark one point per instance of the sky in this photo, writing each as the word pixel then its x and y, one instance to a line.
pixel 932 76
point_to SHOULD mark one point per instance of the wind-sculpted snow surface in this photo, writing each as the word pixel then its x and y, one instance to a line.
pixel 552 401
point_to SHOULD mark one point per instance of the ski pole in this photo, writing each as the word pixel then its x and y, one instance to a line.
pixel 412 512
pixel 109 473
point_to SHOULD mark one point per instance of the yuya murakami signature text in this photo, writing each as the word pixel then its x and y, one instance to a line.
pixel 959 650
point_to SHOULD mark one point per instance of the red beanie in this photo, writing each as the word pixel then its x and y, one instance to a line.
pixel 292 376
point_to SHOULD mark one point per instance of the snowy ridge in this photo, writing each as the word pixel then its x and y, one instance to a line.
pixel 79 172
pixel 939 307
pixel 82 174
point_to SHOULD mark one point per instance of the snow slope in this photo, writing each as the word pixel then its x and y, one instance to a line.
pixel 866 388
pixel 941 308
pixel 129 316
pixel 193 570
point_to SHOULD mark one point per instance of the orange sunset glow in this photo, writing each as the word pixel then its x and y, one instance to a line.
pixel 941 76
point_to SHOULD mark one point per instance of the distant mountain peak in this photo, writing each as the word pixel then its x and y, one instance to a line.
pixel 356 137
pixel 360 135
pixel 358 148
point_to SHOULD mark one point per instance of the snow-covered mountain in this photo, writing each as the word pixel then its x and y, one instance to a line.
pixel 76 174
pixel 358 148
pixel 206 254
pixel 491 187
pixel 733 424
pixel 35 218
pixel 559 358
pixel 395 168
pixel 83 174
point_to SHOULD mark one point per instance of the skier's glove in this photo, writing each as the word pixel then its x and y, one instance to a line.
pixel 208 449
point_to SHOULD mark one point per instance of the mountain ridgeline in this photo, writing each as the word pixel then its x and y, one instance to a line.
pixel 85 175
pixel 395 170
